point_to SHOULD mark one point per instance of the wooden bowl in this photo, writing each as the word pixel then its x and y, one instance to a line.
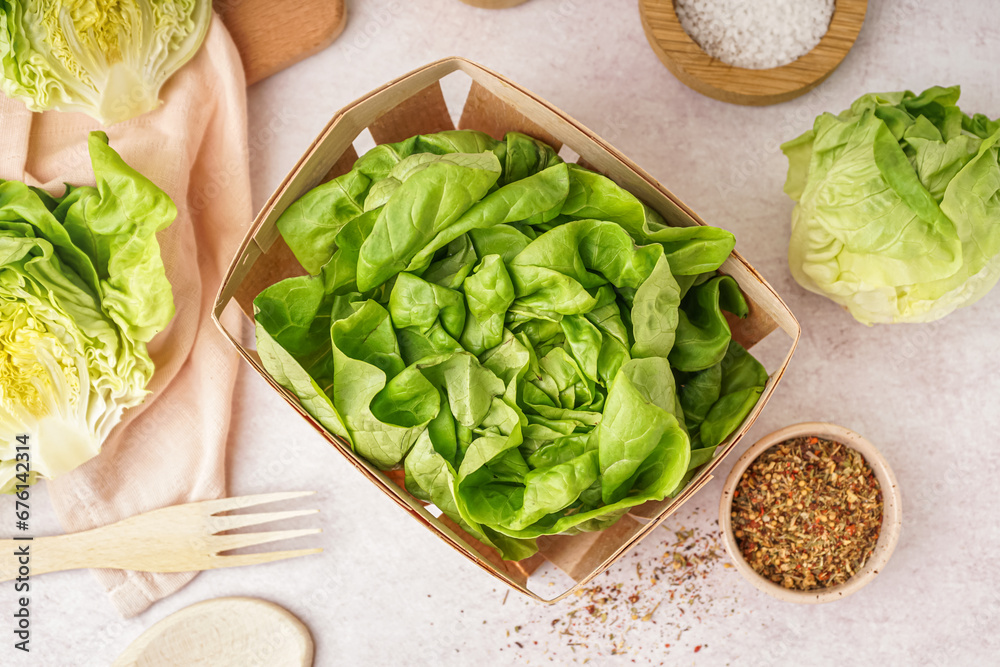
pixel 739 85
pixel 892 513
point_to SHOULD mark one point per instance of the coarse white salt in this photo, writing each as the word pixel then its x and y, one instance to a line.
pixel 755 34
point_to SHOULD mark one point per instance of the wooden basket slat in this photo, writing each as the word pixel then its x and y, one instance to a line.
pixel 423 113
pixel 343 165
pixel 271 267
pixel 488 113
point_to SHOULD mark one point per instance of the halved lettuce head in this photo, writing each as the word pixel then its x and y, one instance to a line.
pixel 898 214
pixel 105 58
pixel 82 290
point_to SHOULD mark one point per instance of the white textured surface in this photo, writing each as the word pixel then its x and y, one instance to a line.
pixel 386 591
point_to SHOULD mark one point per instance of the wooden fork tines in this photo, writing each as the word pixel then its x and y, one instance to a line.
pixel 181 538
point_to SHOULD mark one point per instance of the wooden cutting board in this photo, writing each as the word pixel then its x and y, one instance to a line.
pixel 271 36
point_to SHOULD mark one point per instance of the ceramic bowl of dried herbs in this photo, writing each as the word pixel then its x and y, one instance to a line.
pixel 811 513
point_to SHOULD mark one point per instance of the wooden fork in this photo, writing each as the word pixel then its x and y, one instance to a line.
pixel 181 538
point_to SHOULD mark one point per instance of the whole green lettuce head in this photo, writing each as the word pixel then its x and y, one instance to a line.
pixel 534 346
pixel 105 58
pixel 898 214
pixel 82 290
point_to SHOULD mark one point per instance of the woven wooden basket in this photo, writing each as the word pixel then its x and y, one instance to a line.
pixel 415 104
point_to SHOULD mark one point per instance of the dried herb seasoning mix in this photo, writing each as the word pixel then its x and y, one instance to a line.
pixel 807 513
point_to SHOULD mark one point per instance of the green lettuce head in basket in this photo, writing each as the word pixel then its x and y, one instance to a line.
pixel 534 346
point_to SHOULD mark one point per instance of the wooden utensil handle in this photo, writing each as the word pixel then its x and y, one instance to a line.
pixel 40 555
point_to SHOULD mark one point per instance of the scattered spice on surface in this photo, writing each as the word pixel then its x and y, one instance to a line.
pixel 647 605
pixel 807 513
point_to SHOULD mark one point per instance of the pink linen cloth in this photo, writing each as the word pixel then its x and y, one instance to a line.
pixel 171 449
